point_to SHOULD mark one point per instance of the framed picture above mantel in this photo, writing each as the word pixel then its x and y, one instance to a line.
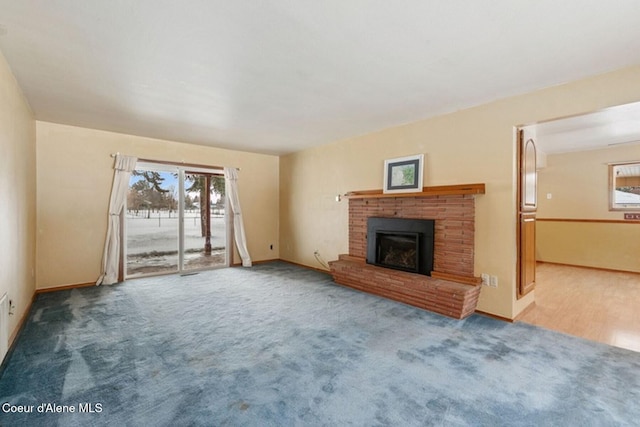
pixel 404 174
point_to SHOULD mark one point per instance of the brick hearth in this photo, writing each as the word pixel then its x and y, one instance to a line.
pixel 445 297
pixel 453 252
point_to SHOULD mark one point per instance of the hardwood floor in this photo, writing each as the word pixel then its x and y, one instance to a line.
pixel 593 304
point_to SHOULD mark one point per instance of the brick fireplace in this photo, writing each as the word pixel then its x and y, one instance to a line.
pixel 452 289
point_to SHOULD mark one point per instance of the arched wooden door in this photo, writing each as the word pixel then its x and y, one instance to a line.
pixel 527 206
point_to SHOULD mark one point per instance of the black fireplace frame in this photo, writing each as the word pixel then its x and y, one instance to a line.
pixel 424 228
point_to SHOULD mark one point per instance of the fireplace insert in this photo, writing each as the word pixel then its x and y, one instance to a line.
pixel 401 243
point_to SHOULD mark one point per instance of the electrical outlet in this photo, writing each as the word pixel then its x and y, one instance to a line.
pixel 493 282
pixel 485 279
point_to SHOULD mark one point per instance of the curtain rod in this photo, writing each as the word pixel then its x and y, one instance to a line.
pixel 166 162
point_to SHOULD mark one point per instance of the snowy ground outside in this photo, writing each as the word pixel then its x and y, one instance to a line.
pixel 152 243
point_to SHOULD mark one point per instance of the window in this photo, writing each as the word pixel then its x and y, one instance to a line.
pixel 624 186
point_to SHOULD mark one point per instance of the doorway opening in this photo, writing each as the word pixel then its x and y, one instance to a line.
pixel 175 220
pixel 586 243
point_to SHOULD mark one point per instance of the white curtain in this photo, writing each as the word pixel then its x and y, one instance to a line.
pixel 231 186
pixel 124 165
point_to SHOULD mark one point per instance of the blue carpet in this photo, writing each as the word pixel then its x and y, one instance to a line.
pixel 279 345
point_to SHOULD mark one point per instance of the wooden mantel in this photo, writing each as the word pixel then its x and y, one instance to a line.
pixel 440 190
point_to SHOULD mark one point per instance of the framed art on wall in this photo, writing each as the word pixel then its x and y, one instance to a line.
pixel 403 174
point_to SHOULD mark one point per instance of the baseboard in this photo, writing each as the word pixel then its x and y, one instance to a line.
pixel 493 316
pixel 612 270
pixel 64 287
pixel 319 270
pixel 264 261
pixel 524 312
pixel 21 322
pixel 16 332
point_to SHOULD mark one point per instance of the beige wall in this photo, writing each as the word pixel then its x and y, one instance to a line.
pixel 579 183
pixel 473 145
pixel 17 196
pixel 579 186
pixel 600 245
pixel 75 172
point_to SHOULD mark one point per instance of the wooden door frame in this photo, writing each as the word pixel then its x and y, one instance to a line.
pixel 519 138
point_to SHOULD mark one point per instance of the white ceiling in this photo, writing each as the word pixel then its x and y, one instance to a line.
pixel 610 127
pixel 282 75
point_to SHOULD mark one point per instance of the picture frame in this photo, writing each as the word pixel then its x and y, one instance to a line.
pixel 404 174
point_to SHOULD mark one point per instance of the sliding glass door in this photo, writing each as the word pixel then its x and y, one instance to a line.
pixel 176 220
pixel 205 225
